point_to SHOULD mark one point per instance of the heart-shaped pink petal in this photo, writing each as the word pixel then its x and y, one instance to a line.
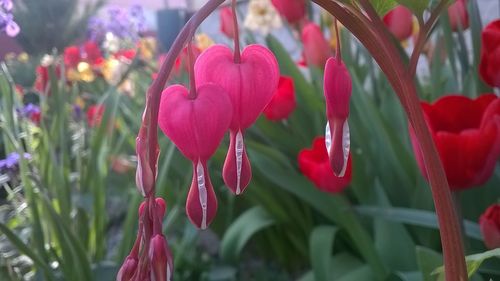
pixel 196 126
pixel 250 83
pixel 201 203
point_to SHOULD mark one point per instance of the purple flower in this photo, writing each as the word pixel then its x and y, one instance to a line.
pixel 6 5
pixel 12 160
pixel 30 109
pixel 7 23
pixel 96 29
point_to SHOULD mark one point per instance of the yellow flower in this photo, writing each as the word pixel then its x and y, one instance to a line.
pixel 23 57
pixel 72 75
pixel 147 47
pixel 85 71
pixel 80 102
pixel 203 41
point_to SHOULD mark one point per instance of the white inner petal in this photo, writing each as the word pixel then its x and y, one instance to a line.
pixel 239 160
pixel 202 193
pixel 328 138
pixel 346 146
pixel 168 273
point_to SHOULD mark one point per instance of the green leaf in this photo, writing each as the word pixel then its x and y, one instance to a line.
pixel 320 249
pixel 26 250
pixel 473 262
pixel 242 229
pixel 428 260
pixel 415 217
pixel 417 6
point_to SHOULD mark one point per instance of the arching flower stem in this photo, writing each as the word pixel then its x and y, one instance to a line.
pixel 375 38
pixel 192 80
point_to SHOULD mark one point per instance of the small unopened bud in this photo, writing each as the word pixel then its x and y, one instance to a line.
pixel 144 178
pixel 127 270
pixel 161 207
pixel 161 259
pixel 338 88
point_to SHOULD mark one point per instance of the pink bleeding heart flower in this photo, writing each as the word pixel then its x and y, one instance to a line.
pixel 250 84
pixel 338 88
pixel 197 126
pixel 128 269
pixel 161 259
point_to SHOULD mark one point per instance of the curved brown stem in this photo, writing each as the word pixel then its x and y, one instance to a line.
pixel 405 88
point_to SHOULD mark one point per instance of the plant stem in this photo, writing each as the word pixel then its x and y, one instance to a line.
pixel 237 54
pixel 374 38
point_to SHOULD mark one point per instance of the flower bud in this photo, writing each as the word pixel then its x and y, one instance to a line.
pixel 489 223
pixel 161 259
pixel 489 67
pixel 127 270
pixel 226 21
pixel 316 48
pixel 337 87
pixel 458 15
pixel 144 177
pixel 292 10
pixel 399 21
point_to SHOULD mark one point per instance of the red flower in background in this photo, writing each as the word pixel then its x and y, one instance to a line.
pixel 283 102
pixel 489 67
pixel 72 56
pixel 399 21
pixel 316 48
pixel 458 15
pixel 292 10
pixel 467 136
pixel 315 165
pixel 92 53
pixel 226 21
pixel 125 54
pixel 489 223
pixel 42 78
pixel 94 115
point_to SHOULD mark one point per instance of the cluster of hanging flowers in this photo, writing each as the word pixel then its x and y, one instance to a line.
pixel 228 92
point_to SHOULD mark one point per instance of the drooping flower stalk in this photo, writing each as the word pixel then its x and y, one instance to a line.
pixel 374 36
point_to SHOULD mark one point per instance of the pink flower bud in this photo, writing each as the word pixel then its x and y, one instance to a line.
pixel 161 259
pixel 338 88
pixel 489 223
pixel 458 15
pixel 226 21
pixel 283 102
pixel 144 177
pixel 197 126
pixel 128 269
pixel 160 207
pixel 292 10
pixel 250 84
pixel 316 48
pixel 399 21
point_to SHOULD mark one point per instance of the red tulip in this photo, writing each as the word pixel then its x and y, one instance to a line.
pixel 226 21
pixel 197 126
pixel 72 56
pixel 292 10
pixel 94 115
pixel 489 223
pixel 337 88
pixel 316 48
pixel 315 165
pixel 283 102
pixel 489 67
pixel 467 136
pixel 92 53
pixel 250 84
pixel 458 15
pixel 399 21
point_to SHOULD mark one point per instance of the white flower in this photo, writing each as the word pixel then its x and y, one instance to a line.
pixel 47 60
pixel 262 16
